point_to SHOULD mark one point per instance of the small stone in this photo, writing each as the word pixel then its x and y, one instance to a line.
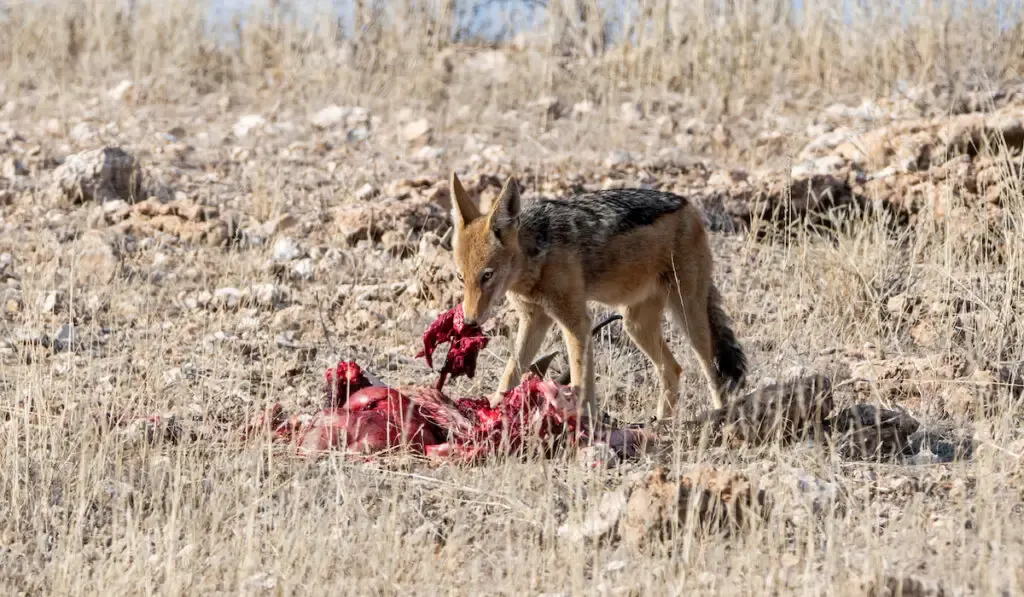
pixel 227 298
pixel 416 131
pixel 303 270
pixel 550 105
pixel 121 91
pixel 617 158
pixel 82 132
pixel 52 302
pixel 13 304
pixel 247 124
pixel 631 112
pixel 266 294
pixel 97 260
pixel 367 191
pixel 278 224
pixel 67 338
pixel 12 167
pixel 583 108
pixel 357 134
pixel 898 305
pixel 428 153
pixel 328 117
pixel 287 248
pixel 598 456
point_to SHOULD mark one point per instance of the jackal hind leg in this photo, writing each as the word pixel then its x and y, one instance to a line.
pixel 642 322
pixel 691 314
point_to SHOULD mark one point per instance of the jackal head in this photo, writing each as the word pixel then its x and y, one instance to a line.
pixel 486 248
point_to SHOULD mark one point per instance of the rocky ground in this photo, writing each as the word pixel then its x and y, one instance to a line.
pixel 201 260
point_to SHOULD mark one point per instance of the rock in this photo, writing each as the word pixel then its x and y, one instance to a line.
pixel 66 338
pixel 417 131
pixel 428 153
pixel 901 304
pixel 617 158
pixel 227 298
pixel 868 432
pixel 785 412
pixel 705 500
pixel 287 248
pixel 599 522
pixel 303 269
pixel 13 303
pixel 328 117
pixel 906 586
pixel 82 132
pixel 583 108
pixel 357 134
pixel 96 258
pixel 549 105
pixel 247 124
pixel 13 167
pixel 824 143
pixel 598 456
pixel 278 224
pixel 369 221
pixel 266 294
pixel 101 175
pixel 365 192
pixel 52 302
pixel 122 91
pixel 631 112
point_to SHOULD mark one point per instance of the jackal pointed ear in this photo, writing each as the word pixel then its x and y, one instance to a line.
pixel 463 209
pixel 504 216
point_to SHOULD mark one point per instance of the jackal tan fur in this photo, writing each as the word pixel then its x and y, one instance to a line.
pixel 637 251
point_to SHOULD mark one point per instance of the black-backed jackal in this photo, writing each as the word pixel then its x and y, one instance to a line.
pixel 634 250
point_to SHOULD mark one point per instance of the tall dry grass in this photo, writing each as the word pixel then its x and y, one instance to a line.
pixel 728 55
pixel 86 509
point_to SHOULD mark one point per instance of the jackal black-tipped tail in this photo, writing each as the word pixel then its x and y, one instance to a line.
pixel 729 357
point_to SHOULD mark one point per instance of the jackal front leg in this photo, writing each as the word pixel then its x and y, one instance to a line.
pixel 533 325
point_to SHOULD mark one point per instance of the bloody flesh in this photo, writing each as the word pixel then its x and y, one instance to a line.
pixel 363 419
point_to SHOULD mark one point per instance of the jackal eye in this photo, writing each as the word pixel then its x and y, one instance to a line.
pixel 459 276
pixel 487 275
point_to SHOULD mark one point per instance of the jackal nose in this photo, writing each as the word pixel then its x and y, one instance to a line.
pixel 469 322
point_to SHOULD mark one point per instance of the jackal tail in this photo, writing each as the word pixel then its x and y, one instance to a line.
pixel 729 357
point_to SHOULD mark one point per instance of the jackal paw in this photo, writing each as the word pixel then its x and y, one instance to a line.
pixel 495 398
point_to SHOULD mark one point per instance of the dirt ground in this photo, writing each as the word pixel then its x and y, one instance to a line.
pixel 202 254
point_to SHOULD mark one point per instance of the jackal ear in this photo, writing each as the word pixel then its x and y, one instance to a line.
pixel 504 216
pixel 463 209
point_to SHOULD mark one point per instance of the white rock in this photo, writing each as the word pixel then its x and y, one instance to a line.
pixel 82 132
pixel 583 108
pixel 617 158
pixel 367 191
pixel 287 248
pixel 228 297
pixel 631 112
pixel 122 89
pixel 358 117
pixel 303 269
pixel 247 124
pixel 266 294
pixel 428 153
pixel 417 130
pixel 330 116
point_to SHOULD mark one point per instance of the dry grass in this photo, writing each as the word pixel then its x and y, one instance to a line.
pixel 93 508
